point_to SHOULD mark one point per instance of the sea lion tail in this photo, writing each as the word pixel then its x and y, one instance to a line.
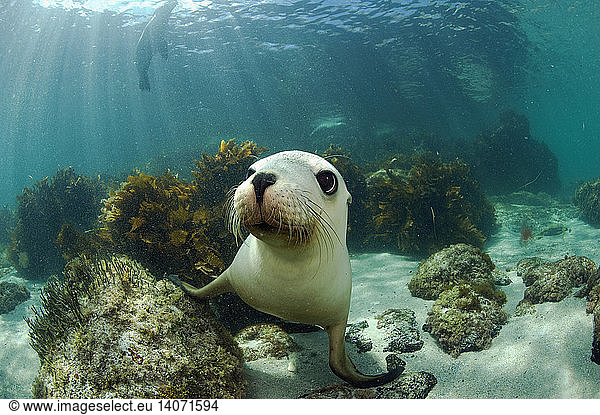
pixel 342 366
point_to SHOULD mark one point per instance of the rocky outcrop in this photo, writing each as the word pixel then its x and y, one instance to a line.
pixel 397 332
pixel 401 331
pixel 110 330
pixel 464 320
pixel 408 386
pixel 265 341
pixel 11 295
pixel 553 281
pixel 448 267
pixel 587 199
pixel 592 291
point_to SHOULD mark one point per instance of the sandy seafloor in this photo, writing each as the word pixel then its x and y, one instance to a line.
pixel 544 355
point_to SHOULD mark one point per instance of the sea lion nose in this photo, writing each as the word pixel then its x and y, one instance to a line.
pixel 260 182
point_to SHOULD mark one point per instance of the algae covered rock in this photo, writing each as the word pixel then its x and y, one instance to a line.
pixel 554 281
pixel 355 335
pixel 110 330
pixel 11 295
pixel 463 319
pixel 265 341
pixel 587 199
pixel 593 307
pixel 526 264
pixel 415 385
pixel 401 330
pixel 399 333
pixel 448 267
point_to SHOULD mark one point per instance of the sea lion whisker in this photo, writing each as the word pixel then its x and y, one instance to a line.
pixel 322 219
pixel 324 231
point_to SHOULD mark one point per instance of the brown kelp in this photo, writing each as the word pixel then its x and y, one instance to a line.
pixel 177 227
pixel 160 222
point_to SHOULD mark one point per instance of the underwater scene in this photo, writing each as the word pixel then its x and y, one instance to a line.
pixel 299 199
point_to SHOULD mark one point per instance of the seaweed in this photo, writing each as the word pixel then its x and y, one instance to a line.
pixel 42 210
pixel 430 206
pixel 215 175
pixel 173 226
pixel 462 319
pixel 160 222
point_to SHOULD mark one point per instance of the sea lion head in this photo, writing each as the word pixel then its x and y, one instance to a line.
pixel 292 198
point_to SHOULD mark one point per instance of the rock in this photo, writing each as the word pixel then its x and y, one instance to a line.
pixel 464 320
pixel 500 277
pixel 578 268
pixel 524 308
pixel 596 339
pixel 448 267
pixel 11 295
pixel 550 287
pixel 408 386
pixel 554 281
pixel 527 263
pixel 554 230
pixel 356 336
pixel 587 199
pixel 110 330
pixel 393 362
pixel 401 331
pixel 593 307
pixel 265 341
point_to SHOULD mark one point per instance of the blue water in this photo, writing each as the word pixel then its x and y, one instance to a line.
pixel 278 71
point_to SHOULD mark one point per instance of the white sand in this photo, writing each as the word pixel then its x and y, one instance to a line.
pixel 19 363
pixel 546 355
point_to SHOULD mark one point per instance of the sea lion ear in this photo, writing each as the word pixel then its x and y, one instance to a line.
pixel 349 198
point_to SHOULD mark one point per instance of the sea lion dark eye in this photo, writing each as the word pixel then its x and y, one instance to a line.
pixel 251 171
pixel 327 181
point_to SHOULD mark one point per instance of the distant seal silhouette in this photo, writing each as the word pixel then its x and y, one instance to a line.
pixel 294 264
pixel 153 37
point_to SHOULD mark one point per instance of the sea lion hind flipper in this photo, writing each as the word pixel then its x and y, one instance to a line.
pixel 219 286
pixel 342 366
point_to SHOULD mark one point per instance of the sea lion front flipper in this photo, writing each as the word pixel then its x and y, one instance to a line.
pixel 219 286
pixel 342 366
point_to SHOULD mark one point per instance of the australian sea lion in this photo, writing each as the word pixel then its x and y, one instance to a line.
pixel 153 38
pixel 295 264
